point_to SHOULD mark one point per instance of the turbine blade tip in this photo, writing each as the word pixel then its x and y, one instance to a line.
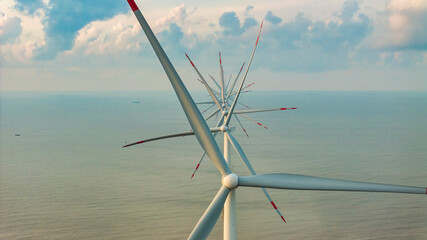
pixel 133 5
pixel 283 219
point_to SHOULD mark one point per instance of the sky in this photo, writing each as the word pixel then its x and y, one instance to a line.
pixel 97 45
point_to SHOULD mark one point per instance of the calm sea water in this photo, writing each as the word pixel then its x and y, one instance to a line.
pixel 67 177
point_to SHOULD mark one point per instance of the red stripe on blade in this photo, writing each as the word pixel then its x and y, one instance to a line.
pixel 274 205
pixel 283 219
pixel 197 166
pixel 132 5
pixel 283 109
pixel 260 124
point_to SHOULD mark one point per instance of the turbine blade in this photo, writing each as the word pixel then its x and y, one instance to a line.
pixel 210 217
pixel 273 204
pixel 205 103
pixel 228 84
pixel 198 164
pixel 205 83
pixel 262 110
pixel 161 137
pixel 227 121
pixel 253 120
pixel 244 130
pixel 240 152
pixel 242 155
pixel 248 86
pixel 169 136
pixel 216 83
pixel 222 78
pixel 246 106
pixel 212 114
pixel 214 135
pixel 234 83
pixel 302 182
pixel 208 108
pixel 195 118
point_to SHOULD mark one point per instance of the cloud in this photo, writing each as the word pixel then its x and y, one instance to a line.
pixel 64 18
pixel 10 28
pixel 30 6
pixel 306 45
pixel 177 14
pixel 231 24
pixel 272 19
pixel 118 34
pixel 172 39
pixel 406 25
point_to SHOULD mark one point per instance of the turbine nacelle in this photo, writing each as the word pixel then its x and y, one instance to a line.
pixel 231 181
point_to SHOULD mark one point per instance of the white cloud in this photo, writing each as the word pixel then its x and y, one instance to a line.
pixel 114 35
pixel 10 28
pixel 407 21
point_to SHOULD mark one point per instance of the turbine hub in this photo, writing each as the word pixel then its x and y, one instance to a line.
pixel 223 128
pixel 230 181
pixel 225 112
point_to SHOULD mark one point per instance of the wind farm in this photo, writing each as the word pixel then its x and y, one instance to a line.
pixel 225 198
pixel 78 80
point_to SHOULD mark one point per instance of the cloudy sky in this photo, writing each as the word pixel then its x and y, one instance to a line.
pixel 79 45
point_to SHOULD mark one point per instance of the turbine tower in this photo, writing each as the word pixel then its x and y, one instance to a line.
pixel 225 198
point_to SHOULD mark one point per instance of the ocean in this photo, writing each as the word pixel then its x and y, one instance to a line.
pixel 64 175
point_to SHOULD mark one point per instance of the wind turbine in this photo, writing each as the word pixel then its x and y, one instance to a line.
pixel 225 198
pixel 222 100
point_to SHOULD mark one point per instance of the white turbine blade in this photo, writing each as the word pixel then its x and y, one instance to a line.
pixel 228 83
pixel 241 125
pixel 234 83
pixel 161 137
pixel 234 93
pixel 262 110
pixel 210 217
pixel 205 103
pixel 216 83
pixel 222 78
pixel 253 120
pixel 216 129
pixel 273 204
pixel 227 121
pixel 212 114
pixel 302 182
pixel 198 164
pixel 208 108
pixel 248 86
pixel 246 106
pixel 205 83
pixel 242 155
pixel 240 152
pixel 204 154
pixel 195 118
pixel 201 159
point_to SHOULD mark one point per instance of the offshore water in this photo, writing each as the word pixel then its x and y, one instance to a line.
pixel 67 177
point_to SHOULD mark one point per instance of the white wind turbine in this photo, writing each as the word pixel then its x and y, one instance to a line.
pixel 225 198
pixel 221 99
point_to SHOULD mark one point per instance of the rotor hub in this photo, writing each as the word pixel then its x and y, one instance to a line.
pixel 230 181
pixel 223 128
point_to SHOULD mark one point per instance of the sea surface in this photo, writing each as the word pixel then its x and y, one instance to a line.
pixel 64 175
